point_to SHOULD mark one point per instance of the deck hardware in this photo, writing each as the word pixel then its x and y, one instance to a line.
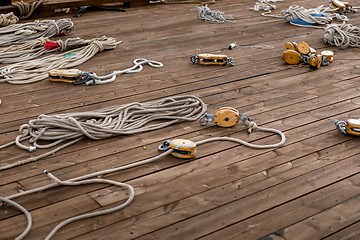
pixel 350 126
pixel 66 75
pixel 211 59
pixel 223 117
pixel 341 7
pixel 297 53
pixel 182 148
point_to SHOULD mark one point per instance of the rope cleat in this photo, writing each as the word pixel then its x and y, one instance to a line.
pixel 211 59
pixel 223 117
pixel 65 75
pixel 350 126
pixel 182 148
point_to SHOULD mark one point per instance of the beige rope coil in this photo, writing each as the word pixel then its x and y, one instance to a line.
pixel 342 35
pixel 8 19
pixel 67 129
pixel 22 33
pixel 38 47
pixel 27 9
pixel 37 70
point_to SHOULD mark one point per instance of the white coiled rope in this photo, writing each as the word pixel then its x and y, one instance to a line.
pixel 342 35
pixel 21 33
pixel 37 70
pixel 93 78
pixel 251 125
pixel 265 5
pixel 8 19
pixel 67 129
pixel 214 16
pixel 38 47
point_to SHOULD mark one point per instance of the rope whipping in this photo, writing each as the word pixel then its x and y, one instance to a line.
pixel 22 33
pixel 67 129
pixel 342 35
pixel 309 17
pixel 8 19
pixel 91 78
pixel 37 70
pixel 26 9
pixel 38 47
pixel 214 16
pixel 251 125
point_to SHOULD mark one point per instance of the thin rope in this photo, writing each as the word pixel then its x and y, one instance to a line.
pixel 22 33
pixel 26 9
pixel 342 35
pixel 67 129
pixel 37 70
pixel 93 78
pixel 8 19
pixel 214 16
pixel 38 47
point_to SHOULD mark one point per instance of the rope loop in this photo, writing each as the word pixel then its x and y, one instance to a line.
pixel 8 19
pixel 27 9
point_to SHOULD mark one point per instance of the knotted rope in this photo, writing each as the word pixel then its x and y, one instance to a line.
pixel 264 5
pixel 37 70
pixel 67 129
pixel 214 16
pixel 92 78
pixel 342 35
pixel 38 47
pixel 8 19
pixel 27 9
pixel 21 33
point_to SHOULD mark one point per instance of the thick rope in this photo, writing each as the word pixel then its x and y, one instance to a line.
pixel 92 78
pixel 37 70
pixel 251 125
pixel 342 35
pixel 27 9
pixel 35 48
pixel 214 16
pixel 22 33
pixel 8 19
pixel 67 129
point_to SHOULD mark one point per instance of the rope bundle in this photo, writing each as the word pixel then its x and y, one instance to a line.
pixel 342 35
pixel 208 15
pixel 70 128
pixel 38 47
pixel 37 70
pixel 21 33
pixel 265 5
pixel 7 19
pixel 27 9
pixel 301 16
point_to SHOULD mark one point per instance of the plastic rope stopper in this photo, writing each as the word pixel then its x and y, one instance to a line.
pixel 50 45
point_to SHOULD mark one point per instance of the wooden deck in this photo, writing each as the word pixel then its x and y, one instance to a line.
pixel 307 189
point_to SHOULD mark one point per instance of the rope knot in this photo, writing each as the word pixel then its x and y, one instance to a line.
pixel 249 123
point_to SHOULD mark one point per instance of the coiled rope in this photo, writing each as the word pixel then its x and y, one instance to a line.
pixel 342 35
pixel 37 70
pixel 265 5
pixel 21 33
pixel 8 19
pixel 27 9
pixel 67 129
pixel 40 46
pixel 214 16
pixel 91 78
pixel 312 17
pixel 251 125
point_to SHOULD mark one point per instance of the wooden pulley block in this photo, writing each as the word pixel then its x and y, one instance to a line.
pixel 181 148
pixel 226 117
pixel 329 55
pixel 303 48
pixel 353 127
pixel 315 61
pixel 337 4
pixel 291 57
pixel 290 46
